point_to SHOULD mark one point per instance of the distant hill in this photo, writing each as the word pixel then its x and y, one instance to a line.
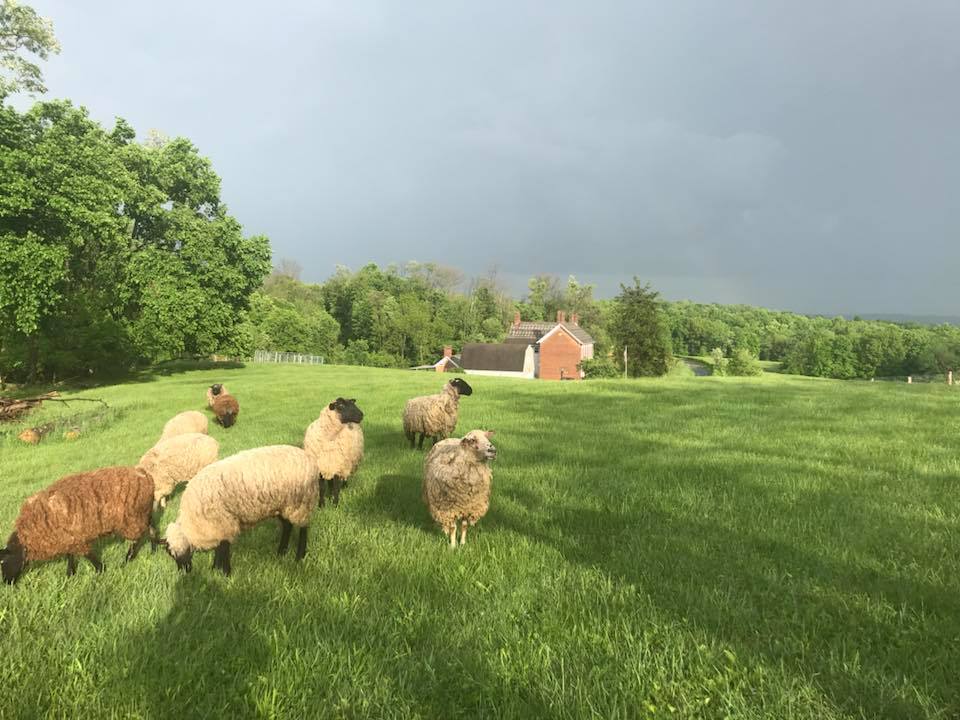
pixel 915 319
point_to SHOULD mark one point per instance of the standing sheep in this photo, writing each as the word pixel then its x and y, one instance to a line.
pixel 213 391
pixel 434 415
pixel 67 517
pixel 335 440
pixel 457 480
pixel 238 492
pixel 224 405
pixel 186 422
pixel 176 460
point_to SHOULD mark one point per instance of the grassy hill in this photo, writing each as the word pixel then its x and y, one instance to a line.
pixel 690 547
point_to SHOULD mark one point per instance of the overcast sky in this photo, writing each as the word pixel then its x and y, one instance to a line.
pixel 802 155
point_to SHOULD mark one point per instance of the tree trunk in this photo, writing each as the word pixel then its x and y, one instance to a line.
pixel 33 359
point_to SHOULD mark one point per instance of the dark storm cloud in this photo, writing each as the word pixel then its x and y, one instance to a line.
pixel 800 155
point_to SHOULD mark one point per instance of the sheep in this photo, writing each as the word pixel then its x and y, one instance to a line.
pixel 224 405
pixel 238 492
pixel 184 423
pixel 213 391
pixel 67 517
pixel 176 460
pixel 335 440
pixel 434 415
pixel 456 482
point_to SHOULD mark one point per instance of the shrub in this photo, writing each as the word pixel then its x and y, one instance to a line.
pixel 719 361
pixel 599 368
pixel 743 363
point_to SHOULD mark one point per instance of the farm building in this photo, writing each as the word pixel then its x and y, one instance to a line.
pixel 545 350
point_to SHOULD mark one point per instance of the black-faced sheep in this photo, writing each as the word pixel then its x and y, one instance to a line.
pixel 224 406
pixel 213 391
pixel 434 416
pixel 457 481
pixel 67 517
pixel 238 492
pixel 190 421
pixel 335 440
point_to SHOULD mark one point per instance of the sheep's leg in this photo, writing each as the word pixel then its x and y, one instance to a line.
pixel 453 537
pixel 95 561
pixel 420 444
pixel 221 557
pixel 463 532
pixel 286 526
pixel 135 547
pixel 433 440
pixel 337 483
pixel 323 492
pixel 302 544
pixel 154 533
pixel 71 565
pixel 412 437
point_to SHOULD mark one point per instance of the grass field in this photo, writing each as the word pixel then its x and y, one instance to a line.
pixel 690 547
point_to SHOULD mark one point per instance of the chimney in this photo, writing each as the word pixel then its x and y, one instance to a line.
pixel 575 319
pixel 516 318
pixel 561 316
pixel 447 351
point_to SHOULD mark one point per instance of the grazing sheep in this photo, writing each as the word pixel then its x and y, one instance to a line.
pixel 226 408
pixel 335 440
pixel 186 422
pixel 456 482
pixel 176 460
pixel 67 517
pixel 434 415
pixel 238 492
pixel 213 391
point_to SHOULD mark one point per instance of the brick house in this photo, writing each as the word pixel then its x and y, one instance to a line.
pixel 558 346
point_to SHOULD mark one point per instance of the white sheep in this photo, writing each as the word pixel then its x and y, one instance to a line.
pixel 335 440
pixel 186 422
pixel 176 460
pixel 434 415
pixel 239 491
pixel 457 481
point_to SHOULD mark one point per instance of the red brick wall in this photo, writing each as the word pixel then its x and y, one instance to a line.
pixel 559 351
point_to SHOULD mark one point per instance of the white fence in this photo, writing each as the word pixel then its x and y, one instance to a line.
pixel 268 356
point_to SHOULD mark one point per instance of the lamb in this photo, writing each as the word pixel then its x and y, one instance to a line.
pixel 456 482
pixel 67 517
pixel 434 415
pixel 176 460
pixel 335 440
pixel 238 492
pixel 184 423
pixel 223 404
pixel 213 391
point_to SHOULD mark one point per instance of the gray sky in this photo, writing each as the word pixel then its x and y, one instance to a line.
pixel 799 155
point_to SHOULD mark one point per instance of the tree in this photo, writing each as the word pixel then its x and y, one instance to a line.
pixel 639 325
pixel 22 30
pixel 743 363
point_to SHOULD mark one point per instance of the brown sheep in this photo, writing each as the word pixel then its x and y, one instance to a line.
pixel 67 517
pixel 226 408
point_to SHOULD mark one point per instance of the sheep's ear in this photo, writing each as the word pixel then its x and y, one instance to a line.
pixel 353 400
pixel 489 433
pixel 332 406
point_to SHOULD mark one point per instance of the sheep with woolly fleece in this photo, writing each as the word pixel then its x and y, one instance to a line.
pixel 457 481
pixel 69 515
pixel 213 391
pixel 190 421
pixel 434 415
pixel 335 440
pixel 238 492
pixel 176 460
pixel 226 408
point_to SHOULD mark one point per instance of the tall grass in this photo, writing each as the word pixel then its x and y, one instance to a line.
pixel 691 547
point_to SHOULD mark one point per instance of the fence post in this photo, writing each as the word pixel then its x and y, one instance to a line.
pixel 909 379
pixel 949 377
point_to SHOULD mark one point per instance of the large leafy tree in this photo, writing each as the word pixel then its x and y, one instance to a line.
pixel 23 33
pixel 638 324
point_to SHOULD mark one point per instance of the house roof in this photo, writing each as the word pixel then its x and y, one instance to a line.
pixel 535 330
pixel 507 357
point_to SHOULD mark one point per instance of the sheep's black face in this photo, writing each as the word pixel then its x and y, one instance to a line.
pixel 216 388
pixel 347 410
pixel 13 559
pixel 461 386
pixel 184 562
